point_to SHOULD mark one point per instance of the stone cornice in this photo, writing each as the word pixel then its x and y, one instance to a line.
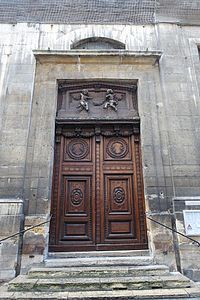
pixel 98 56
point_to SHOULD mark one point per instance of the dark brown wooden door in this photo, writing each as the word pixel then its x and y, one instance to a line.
pixel 97 192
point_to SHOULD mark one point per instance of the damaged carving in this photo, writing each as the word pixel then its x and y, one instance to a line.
pixel 84 98
pixel 111 100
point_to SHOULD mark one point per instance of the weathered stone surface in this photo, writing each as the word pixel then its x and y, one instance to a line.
pixel 98 271
pixel 171 285
pixel 102 287
pixel 21 283
pixel 99 261
pixel 11 216
pixel 34 240
pixel 119 253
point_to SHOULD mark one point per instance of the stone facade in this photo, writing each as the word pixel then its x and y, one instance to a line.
pixel 164 60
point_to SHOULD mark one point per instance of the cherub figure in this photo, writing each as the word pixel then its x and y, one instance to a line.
pixel 84 97
pixel 111 100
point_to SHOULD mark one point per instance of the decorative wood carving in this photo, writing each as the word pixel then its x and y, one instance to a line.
pixel 76 223
pixel 76 196
pixel 82 131
pixel 111 100
pixel 117 148
pixel 97 193
pixel 83 100
pixel 119 195
pixel 101 101
pixel 77 149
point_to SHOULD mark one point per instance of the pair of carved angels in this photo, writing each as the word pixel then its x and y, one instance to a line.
pixel 110 100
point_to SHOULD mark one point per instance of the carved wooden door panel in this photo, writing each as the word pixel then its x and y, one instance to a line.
pixel 97 196
pixel 121 201
pixel 73 220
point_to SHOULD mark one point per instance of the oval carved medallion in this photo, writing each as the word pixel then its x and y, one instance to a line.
pixel 77 149
pixel 76 196
pixel 117 148
pixel 119 195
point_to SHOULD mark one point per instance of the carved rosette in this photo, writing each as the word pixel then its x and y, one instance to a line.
pixel 119 195
pixel 76 196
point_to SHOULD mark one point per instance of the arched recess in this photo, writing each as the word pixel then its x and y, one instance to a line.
pixel 122 33
pixel 97 43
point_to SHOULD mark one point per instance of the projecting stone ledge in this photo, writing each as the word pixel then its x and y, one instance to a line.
pixel 98 56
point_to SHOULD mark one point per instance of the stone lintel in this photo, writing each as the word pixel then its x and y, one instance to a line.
pixel 98 57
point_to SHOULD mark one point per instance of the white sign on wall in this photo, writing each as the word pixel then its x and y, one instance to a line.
pixel 192 222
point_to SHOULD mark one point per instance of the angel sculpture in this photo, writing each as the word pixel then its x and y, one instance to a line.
pixel 111 100
pixel 83 101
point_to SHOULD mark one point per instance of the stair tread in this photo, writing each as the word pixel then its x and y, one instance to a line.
pixel 186 293
pixel 91 268
pixel 24 279
pixel 135 260
pixel 98 271
pixel 99 254
pixel 103 258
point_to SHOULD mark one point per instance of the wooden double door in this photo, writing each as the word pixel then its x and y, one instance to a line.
pixel 97 197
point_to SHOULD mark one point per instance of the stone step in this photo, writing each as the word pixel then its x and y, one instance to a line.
pixel 99 261
pixel 101 271
pixel 170 294
pixel 99 254
pixel 23 283
pixel 167 294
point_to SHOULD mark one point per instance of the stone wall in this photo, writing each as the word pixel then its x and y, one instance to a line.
pixel 168 99
pixel 11 220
